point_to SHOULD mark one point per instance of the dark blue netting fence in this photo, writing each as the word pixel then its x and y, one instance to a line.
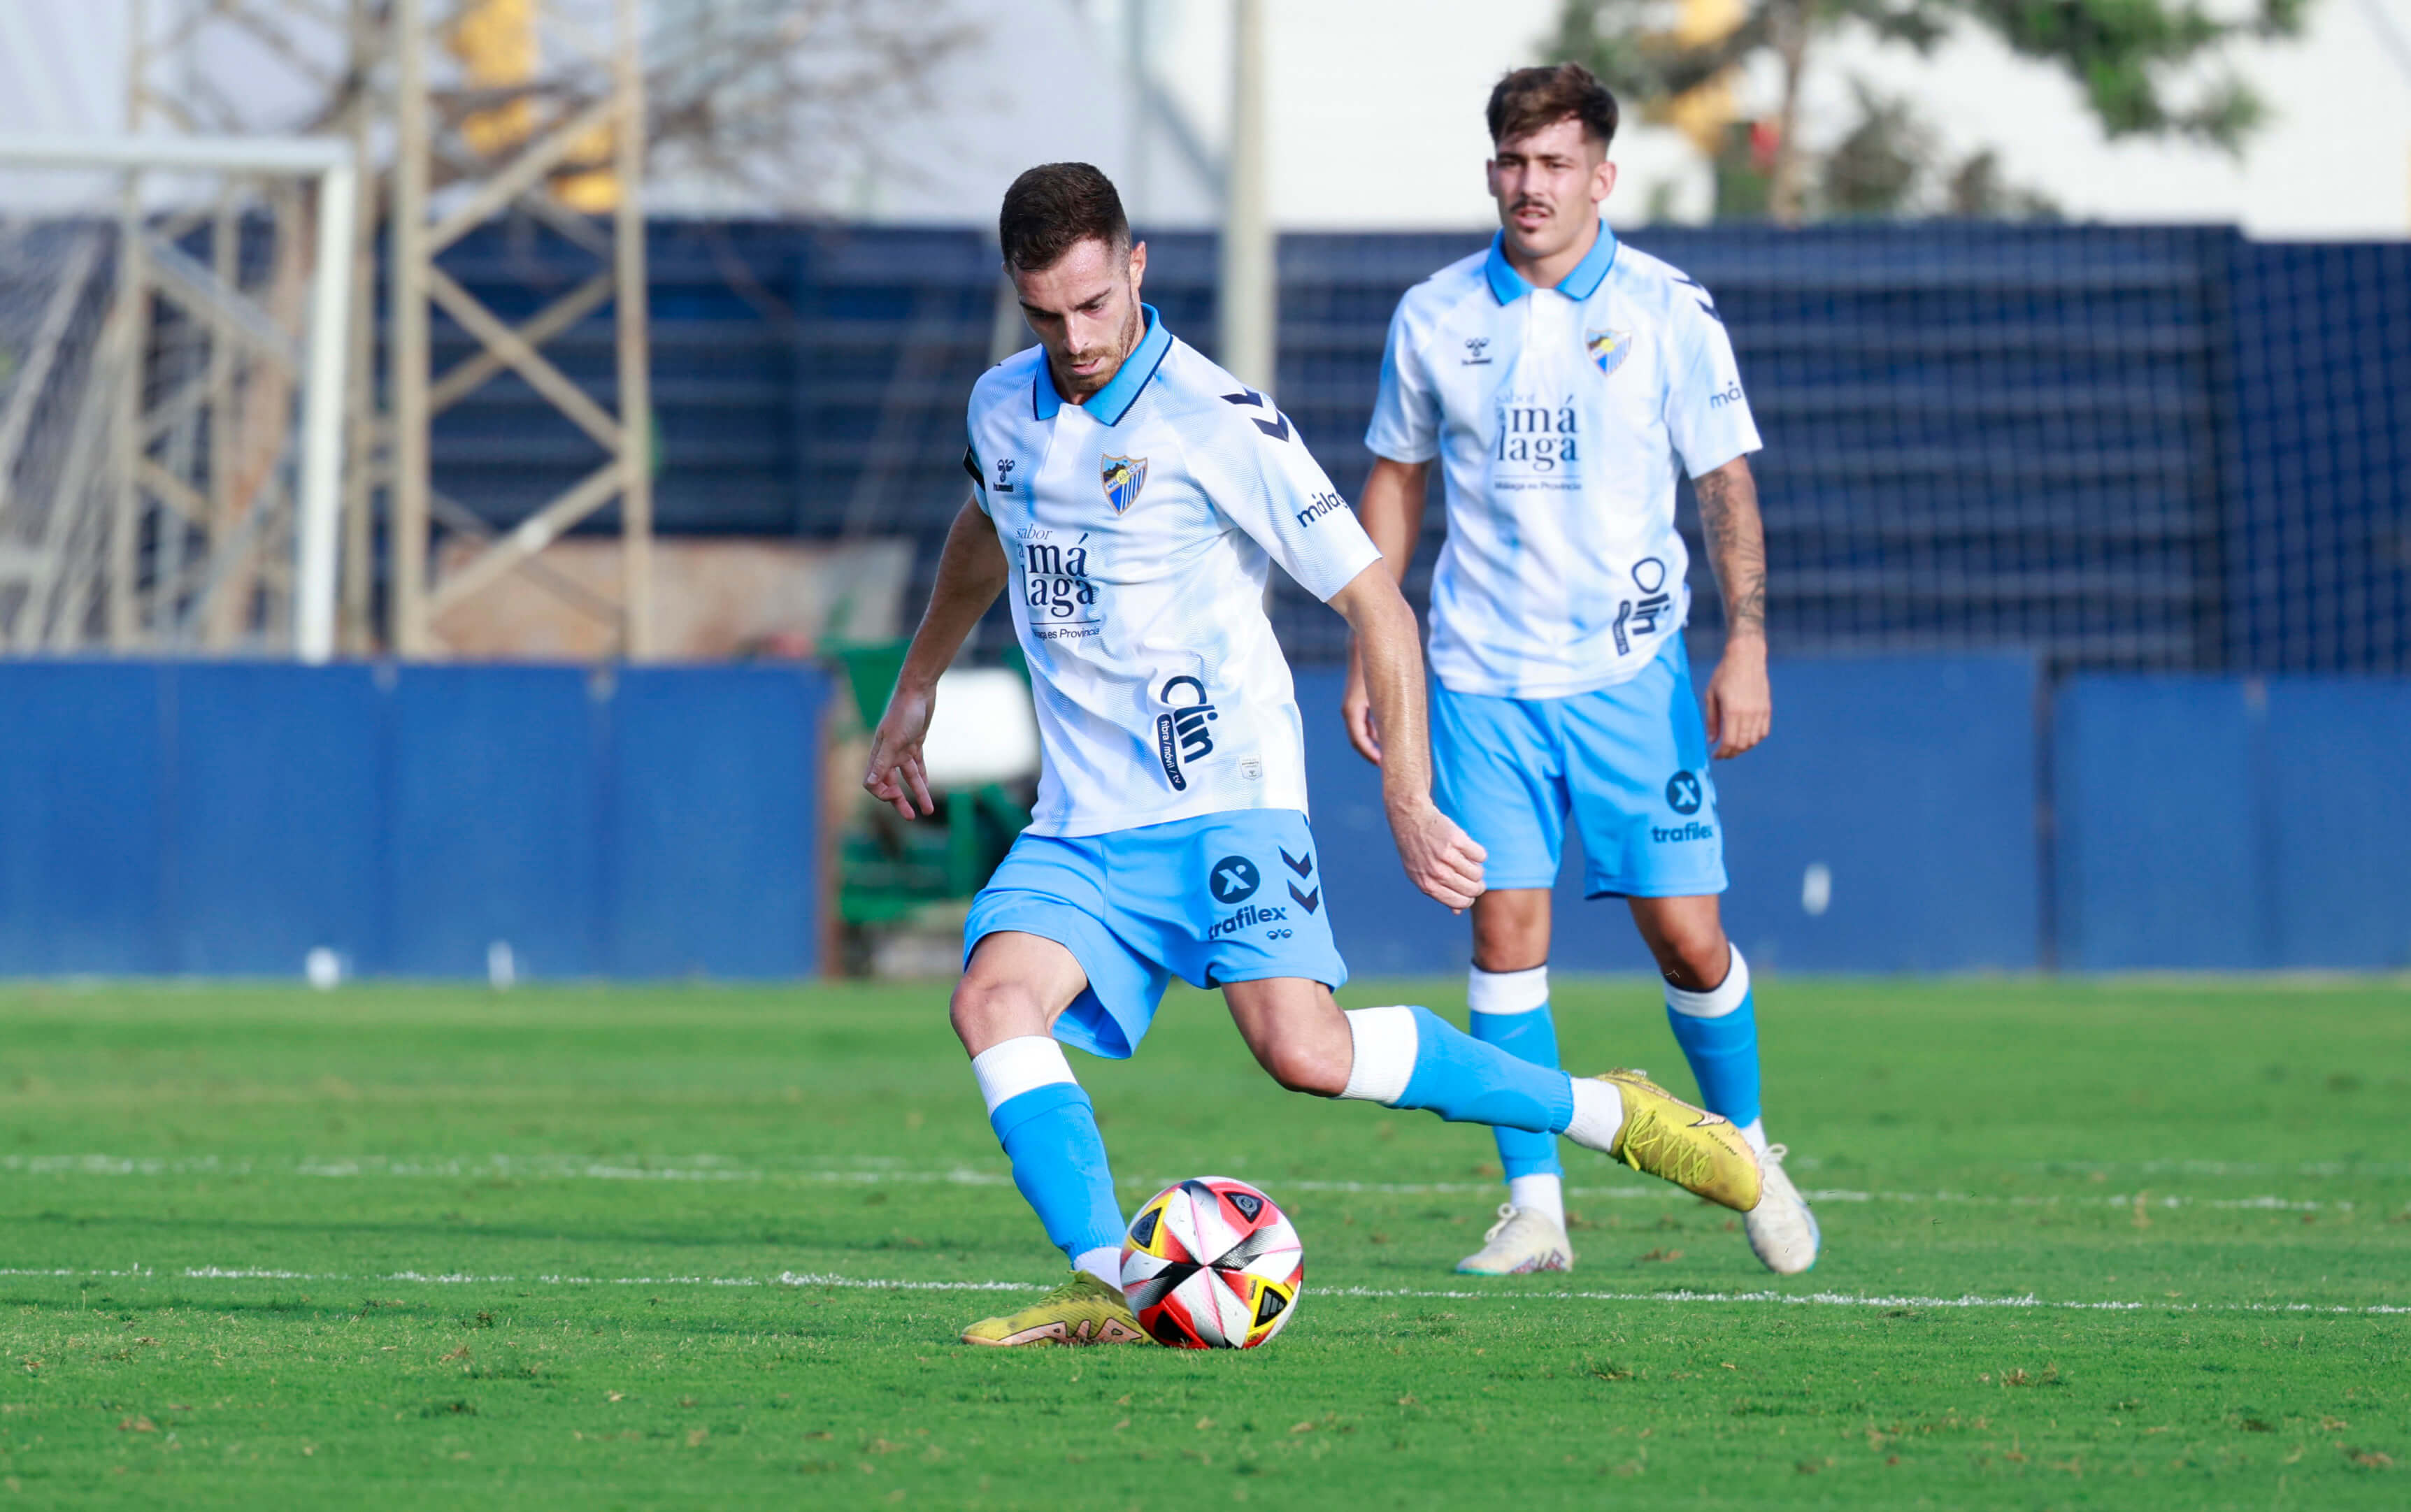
pixel 2124 447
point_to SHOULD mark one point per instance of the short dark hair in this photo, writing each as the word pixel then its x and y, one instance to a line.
pixel 1526 100
pixel 1054 208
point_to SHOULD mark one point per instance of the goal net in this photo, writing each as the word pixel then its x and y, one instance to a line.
pixel 156 363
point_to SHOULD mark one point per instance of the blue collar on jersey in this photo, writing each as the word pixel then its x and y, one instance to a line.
pixel 1508 285
pixel 1110 403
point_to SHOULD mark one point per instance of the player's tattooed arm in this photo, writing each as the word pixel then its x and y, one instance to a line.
pixel 1440 857
pixel 1736 545
pixel 971 574
pixel 1740 704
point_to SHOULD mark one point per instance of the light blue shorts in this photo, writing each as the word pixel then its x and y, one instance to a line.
pixel 1216 899
pixel 1631 763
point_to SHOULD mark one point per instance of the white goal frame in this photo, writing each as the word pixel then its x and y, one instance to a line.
pixel 330 160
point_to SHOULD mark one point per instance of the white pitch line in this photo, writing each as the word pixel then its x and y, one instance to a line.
pixel 1837 1299
pixel 714 1169
pixel 2114 1199
pixel 218 1273
pixel 535 1168
pixel 1816 1299
pixel 842 1283
pixel 2216 1168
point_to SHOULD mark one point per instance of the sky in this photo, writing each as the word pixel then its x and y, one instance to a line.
pixel 1376 105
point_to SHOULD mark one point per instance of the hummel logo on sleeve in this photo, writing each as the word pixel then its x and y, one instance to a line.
pixel 1276 428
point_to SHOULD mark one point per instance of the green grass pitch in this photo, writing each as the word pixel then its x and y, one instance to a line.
pixel 2089 1244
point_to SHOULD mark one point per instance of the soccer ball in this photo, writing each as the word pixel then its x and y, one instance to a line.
pixel 1212 1264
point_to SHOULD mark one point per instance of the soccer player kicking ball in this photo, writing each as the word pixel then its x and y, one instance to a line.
pixel 1562 379
pixel 1134 495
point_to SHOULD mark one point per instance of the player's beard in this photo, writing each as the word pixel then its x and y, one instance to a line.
pixel 1114 357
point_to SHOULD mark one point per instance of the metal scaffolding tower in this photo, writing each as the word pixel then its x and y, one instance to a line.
pixel 462 155
pixel 234 380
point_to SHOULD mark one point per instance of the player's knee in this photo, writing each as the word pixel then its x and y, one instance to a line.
pixel 983 1012
pixel 1303 1066
pixel 1511 948
pixel 1507 938
pixel 1694 956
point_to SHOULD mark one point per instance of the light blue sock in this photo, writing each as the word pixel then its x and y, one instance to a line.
pixel 1058 1162
pixel 1411 1057
pixel 1048 1129
pixel 1719 1032
pixel 1510 1010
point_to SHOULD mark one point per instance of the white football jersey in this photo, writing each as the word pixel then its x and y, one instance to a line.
pixel 1559 416
pixel 1140 526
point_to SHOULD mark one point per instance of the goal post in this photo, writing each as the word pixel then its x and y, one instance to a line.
pixel 329 163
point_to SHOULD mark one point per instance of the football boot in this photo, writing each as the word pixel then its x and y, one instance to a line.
pixel 1083 1310
pixel 1523 1241
pixel 1701 1153
pixel 1783 1234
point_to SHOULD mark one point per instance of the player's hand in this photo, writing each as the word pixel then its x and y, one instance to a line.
pixel 1740 704
pixel 1356 712
pixel 1439 858
pixel 895 775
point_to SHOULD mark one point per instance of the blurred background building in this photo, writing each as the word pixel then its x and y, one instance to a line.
pixel 2083 355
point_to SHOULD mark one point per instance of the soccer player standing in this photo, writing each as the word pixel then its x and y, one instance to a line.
pixel 1133 495
pixel 1560 379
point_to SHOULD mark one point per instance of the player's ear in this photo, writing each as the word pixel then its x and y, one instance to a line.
pixel 1137 266
pixel 1602 182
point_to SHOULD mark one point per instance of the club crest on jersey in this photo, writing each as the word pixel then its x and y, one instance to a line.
pixel 1608 348
pixel 1123 477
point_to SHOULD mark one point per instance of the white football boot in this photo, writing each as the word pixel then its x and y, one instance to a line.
pixel 1783 1234
pixel 1523 1241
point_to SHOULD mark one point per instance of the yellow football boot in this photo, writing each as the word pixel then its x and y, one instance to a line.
pixel 1695 1149
pixel 1083 1310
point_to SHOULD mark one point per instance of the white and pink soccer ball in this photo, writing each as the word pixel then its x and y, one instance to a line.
pixel 1211 1263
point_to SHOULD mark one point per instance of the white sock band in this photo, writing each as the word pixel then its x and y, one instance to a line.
pixel 1507 991
pixel 1599 1115
pixel 1013 1067
pixel 1718 1000
pixel 1103 1263
pixel 1543 1193
pixel 1384 1062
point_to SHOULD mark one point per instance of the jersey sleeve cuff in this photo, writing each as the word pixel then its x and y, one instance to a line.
pixel 1722 456
pixel 1399 451
pixel 1365 556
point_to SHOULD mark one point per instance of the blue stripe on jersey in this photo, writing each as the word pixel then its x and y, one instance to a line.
pixel 1108 404
pixel 1508 286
